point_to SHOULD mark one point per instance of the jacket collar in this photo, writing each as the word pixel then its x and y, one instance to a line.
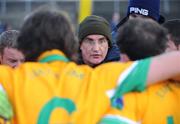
pixel 52 55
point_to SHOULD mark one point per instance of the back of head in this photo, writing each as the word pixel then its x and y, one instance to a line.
pixel 140 38
pixel 149 8
pixel 95 25
pixel 173 27
pixel 47 29
pixel 8 39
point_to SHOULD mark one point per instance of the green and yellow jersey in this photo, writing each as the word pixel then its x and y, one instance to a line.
pixel 58 91
pixel 158 104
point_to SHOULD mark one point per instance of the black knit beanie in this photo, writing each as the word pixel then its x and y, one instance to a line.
pixel 95 25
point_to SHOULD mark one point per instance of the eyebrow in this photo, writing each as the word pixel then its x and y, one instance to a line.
pixel 88 38
pixel 102 38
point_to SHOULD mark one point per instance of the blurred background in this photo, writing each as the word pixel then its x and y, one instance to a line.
pixel 12 12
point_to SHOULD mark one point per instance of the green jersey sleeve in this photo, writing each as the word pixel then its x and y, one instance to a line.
pixel 133 79
pixel 5 107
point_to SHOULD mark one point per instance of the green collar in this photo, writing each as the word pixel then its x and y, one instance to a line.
pixel 52 58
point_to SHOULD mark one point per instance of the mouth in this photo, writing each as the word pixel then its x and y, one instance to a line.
pixel 96 56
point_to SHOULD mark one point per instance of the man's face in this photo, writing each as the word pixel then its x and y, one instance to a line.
pixel 94 49
pixel 11 57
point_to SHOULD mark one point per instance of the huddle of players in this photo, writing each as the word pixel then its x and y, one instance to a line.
pixel 91 95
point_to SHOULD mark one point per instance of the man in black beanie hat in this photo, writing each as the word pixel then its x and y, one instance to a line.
pixel 95 40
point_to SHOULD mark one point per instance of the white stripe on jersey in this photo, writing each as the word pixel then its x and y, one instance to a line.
pixel 122 77
pixel 1 88
pixel 120 118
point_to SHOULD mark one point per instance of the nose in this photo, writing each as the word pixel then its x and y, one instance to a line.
pixel 96 47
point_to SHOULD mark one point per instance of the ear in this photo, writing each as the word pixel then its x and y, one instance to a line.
pixel 124 57
pixel 171 46
pixel 178 47
pixel 0 58
pixel 81 46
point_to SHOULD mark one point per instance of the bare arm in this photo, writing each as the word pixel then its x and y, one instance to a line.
pixel 164 67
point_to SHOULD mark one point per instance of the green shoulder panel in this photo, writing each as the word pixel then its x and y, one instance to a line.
pixel 134 80
pixel 6 110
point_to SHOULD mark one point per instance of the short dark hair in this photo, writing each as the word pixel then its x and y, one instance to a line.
pixel 140 38
pixel 8 39
pixel 47 29
pixel 173 27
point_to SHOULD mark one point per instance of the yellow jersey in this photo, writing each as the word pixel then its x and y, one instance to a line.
pixel 55 91
pixel 158 104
